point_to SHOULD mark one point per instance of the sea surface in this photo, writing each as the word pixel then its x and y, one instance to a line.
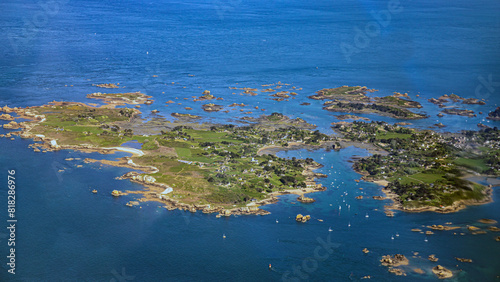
pixel 171 50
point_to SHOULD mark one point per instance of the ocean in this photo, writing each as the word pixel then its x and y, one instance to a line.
pixel 55 50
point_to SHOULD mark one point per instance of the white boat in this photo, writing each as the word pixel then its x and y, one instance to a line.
pixel 349 225
pixel 367 215
pixel 392 237
pixel 224 236
pixel 276 220
pixel 330 229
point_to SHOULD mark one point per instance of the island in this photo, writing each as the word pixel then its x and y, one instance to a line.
pixel 354 99
pixel 190 166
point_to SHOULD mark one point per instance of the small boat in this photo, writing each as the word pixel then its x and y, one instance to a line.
pixel 224 236
pixel 367 215
pixel 94 191
pixel 349 225
pixel 330 229
pixel 340 207
pixel 426 239
pixel 277 221
pixel 397 234
pixel 392 237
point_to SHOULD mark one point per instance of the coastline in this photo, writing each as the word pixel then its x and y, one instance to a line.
pixel 455 207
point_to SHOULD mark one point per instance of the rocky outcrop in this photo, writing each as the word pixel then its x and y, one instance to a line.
pixel 211 107
pixel 433 258
pixel 12 125
pixel 148 179
pixel 185 116
pixel 302 218
pixel 487 221
pixel 395 260
pixel 464 260
pixel 494 115
pixel 306 200
pixel 6 117
pixel 442 272
pixel 441 227
pixel 107 85
pixel 117 193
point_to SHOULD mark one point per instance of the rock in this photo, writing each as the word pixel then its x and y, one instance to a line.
pixel 359 197
pixel 225 213
pixel 301 218
pixel 472 228
pixel 94 191
pixel 497 238
pixel 211 107
pixel 365 250
pixel 433 258
pixel 440 125
pixel 389 213
pixel 493 228
pixel 416 230
pixel 206 92
pixel 480 125
pixel 148 102
pixel 487 221
pixel 440 115
pixel 441 227
pixel 395 260
pixel 306 200
pixel 144 178
pixel 169 102
pixel 116 193
pixel 11 125
pixel 464 260
pixel 378 198
pixel 428 232
pixel 6 117
pixel 397 271
pixel 155 111
pixel 442 272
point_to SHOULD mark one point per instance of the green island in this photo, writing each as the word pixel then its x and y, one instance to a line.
pixel 353 99
pixel 191 166
pixel 424 170
pixel 228 169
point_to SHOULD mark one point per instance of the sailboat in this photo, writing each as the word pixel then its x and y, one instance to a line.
pixel 349 225
pixel 330 229
pixel 367 215
pixel 276 220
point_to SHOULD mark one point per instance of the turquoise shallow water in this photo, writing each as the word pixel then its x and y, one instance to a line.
pixel 67 233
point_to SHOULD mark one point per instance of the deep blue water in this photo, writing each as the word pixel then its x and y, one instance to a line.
pixel 64 232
